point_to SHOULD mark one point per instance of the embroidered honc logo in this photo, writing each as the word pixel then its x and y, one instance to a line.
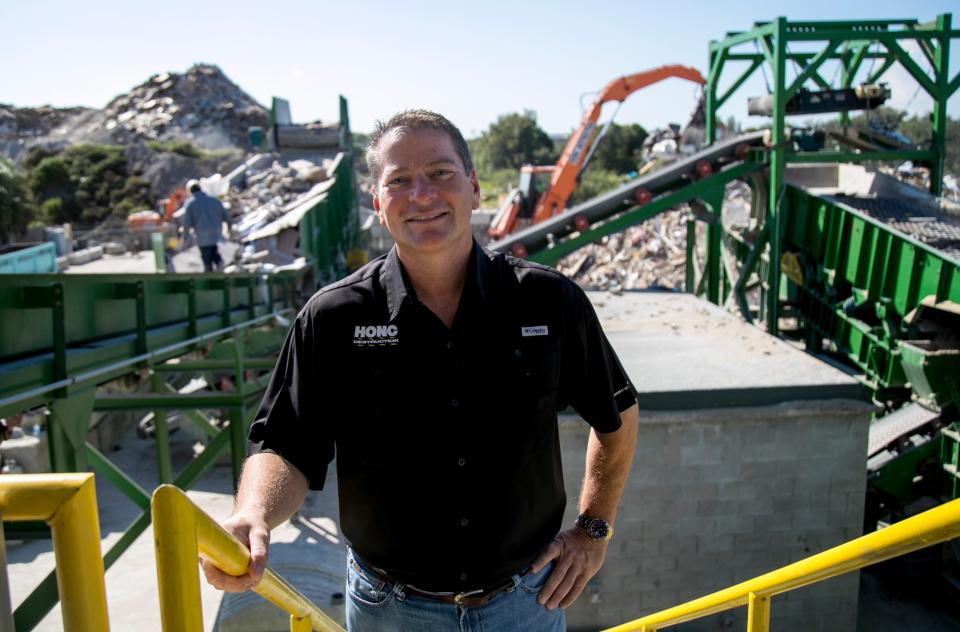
pixel 380 335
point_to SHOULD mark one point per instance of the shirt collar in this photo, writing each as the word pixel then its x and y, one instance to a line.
pixel 397 285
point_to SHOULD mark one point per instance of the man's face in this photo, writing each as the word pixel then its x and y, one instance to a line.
pixel 424 196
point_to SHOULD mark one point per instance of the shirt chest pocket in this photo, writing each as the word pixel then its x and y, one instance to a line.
pixel 535 379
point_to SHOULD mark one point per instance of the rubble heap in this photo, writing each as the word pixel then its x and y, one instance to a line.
pixel 201 105
pixel 648 255
pixel 651 254
pixel 266 192
pixel 19 123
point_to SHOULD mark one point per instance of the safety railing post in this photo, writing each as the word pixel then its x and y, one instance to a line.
pixel 182 532
pixel 758 613
pixel 75 528
pixel 175 547
pixel 68 504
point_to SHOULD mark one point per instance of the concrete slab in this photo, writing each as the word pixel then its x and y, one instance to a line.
pixel 683 352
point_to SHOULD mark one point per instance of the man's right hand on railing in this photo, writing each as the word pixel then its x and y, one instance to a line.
pixel 254 532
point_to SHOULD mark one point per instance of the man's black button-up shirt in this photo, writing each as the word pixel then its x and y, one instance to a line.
pixel 448 457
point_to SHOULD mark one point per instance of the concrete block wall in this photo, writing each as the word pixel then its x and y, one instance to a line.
pixel 719 496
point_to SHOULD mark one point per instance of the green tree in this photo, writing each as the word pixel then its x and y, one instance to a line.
pixel 16 208
pixel 619 151
pixel 85 184
pixel 512 141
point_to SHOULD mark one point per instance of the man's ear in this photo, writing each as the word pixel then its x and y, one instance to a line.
pixel 475 183
pixel 375 198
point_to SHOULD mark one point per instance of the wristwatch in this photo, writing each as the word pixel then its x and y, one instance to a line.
pixel 596 528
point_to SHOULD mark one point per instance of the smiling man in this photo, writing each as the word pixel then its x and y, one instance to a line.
pixel 435 373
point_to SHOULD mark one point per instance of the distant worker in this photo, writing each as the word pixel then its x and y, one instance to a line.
pixel 206 216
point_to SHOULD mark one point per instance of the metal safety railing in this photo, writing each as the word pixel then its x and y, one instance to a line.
pixel 181 532
pixel 931 527
pixel 68 504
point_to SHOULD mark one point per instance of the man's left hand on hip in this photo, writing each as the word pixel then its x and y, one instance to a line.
pixel 578 558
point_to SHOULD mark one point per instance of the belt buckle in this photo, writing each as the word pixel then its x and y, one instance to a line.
pixel 459 597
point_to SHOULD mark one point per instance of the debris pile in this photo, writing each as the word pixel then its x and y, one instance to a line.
pixel 201 105
pixel 264 196
pixel 649 255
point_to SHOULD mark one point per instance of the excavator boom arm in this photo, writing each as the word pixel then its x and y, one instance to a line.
pixel 564 178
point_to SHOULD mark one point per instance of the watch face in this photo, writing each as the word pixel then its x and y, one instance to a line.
pixel 598 529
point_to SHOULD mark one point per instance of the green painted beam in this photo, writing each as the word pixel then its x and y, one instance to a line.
pixel 811 69
pixel 102 466
pixel 159 401
pixel 740 38
pixel 635 215
pixel 198 466
pixel 739 82
pixel 912 67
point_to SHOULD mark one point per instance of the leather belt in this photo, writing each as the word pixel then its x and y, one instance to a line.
pixel 467 598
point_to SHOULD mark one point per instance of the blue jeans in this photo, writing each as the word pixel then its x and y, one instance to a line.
pixel 376 605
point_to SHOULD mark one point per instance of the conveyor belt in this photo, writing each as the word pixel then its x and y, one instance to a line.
pixel 902 422
pixel 935 229
pixel 669 178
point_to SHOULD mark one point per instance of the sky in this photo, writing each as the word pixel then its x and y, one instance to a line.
pixel 472 61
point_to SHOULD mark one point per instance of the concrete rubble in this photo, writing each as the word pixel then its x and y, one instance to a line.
pixel 201 105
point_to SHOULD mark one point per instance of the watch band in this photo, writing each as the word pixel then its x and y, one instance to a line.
pixel 596 528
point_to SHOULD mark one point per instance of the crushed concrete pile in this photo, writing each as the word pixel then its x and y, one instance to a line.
pixel 201 108
pixel 23 123
pixel 651 254
pixel 201 105
pixel 21 127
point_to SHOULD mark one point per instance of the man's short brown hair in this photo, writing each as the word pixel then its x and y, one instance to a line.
pixel 411 120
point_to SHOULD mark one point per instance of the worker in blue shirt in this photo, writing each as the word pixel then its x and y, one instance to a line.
pixel 206 216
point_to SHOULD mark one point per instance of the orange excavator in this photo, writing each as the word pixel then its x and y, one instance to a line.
pixel 525 205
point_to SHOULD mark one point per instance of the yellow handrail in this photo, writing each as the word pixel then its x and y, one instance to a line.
pixel 181 531
pixel 931 527
pixel 68 504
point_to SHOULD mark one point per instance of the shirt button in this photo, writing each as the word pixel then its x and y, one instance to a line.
pixel 455 402
pixel 463 577
pixel 450 345
pixel 518 353
pixel 461 461
pixel 464 522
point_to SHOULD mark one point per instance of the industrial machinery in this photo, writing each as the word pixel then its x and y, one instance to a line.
pixel 864 269
pixel 525 205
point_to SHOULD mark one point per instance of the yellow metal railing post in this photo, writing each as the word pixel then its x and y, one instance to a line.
pixel 931 527
pixel 68 504
pixel 182 532
pixel 758 613
pixel 178 579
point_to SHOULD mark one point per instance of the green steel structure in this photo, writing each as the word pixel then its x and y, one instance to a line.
pixel 848 44
pixel 63 335
pixel 858 287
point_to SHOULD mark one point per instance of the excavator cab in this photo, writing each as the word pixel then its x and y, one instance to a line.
pixel 534 182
